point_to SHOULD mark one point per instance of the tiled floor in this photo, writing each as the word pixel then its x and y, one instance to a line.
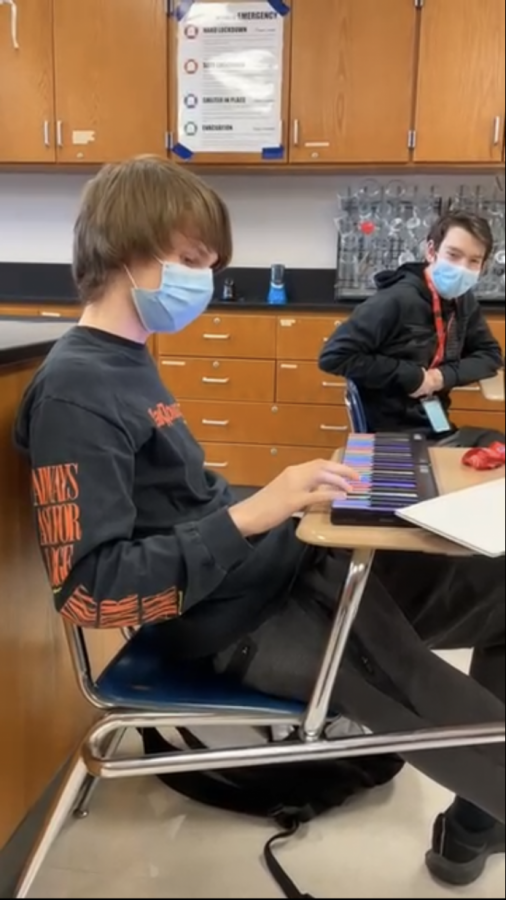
pixel 143 841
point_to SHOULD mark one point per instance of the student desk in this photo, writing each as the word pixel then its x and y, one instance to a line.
pixel 316 529
pixel 493 388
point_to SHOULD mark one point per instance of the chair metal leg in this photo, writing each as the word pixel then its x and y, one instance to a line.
pixel 347 610
pixel 61 809
pixel 82 809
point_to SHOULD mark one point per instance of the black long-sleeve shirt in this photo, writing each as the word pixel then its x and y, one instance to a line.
pixel 391 338
pixel 132 527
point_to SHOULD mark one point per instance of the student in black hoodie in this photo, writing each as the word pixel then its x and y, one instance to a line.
pixel 423 334
pixel 134 530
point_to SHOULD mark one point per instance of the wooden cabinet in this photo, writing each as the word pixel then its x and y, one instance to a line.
pixel 220 379
pixel 111 79
pixel 302 337
pixel 263 423
pixel 303 382
pixel 260 404
pixel 461 82
pixel 26 83
pixel 353 65
pixel 228 335
pixel 364 82
pixel 254 465
pixel 230 86
pixel 39 311
pixel 88 83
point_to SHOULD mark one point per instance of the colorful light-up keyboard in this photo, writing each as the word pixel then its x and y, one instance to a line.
pixel 395 472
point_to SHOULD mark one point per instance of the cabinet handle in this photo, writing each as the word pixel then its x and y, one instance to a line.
pixel 211 465
pixel 59 133
pixel 215 424
pixel 45 314
pixel 215 380
pixel 334 428
pixel 333 384
pixel 176 363
pixel 47 133
pixel 216 337
pixel 296 133
pixel 472 389
pixel 497 130
pixel 291 366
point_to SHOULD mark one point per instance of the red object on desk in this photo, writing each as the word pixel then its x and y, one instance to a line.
pixel 486 458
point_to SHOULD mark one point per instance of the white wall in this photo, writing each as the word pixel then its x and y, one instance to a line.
pixel 277 218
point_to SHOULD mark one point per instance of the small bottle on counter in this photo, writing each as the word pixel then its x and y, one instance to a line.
pixel 277 291
pixel 229 294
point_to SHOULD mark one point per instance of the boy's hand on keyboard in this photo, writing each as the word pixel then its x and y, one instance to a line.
pixel 294 490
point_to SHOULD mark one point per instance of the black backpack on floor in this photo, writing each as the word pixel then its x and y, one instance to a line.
pixel 289 795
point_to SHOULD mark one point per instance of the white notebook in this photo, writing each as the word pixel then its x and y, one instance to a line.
pixel 473 518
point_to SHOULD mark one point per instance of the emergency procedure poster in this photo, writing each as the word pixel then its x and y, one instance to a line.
pixel 230 77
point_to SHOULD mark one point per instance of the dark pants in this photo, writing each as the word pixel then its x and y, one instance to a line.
pixel 390 680
pixel 473 437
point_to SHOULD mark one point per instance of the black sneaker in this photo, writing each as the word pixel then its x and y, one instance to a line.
pixel 459 857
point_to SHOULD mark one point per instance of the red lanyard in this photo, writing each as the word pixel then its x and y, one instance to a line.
pixel 441 331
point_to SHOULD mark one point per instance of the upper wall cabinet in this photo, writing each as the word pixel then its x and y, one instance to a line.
pixel 230 81
pixel 111 79
pixel 26 82
pixel 461 82
pixel 83 82
pixel 253 82
pixel 353 71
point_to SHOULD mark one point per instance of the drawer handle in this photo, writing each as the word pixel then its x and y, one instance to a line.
pixel 216 337
pixel 45 314
pixel 174 362
pixel 333 384
pixel 334 428
pixel 472 389
pixel 290 366
pixel 215 423
pixel 211 465
pixel 215 380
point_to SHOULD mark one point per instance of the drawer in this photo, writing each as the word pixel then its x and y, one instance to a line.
pixel 302 382
pixel 219 379
pixel 498 328
pixel 471 397
pixel 302 337
pixel 232 336
pixel 494 421
pixel 254 465
pixel 263 423
pixel 29 311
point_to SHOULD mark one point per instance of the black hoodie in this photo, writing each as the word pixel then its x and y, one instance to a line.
pixel 133 529
pixel 388 341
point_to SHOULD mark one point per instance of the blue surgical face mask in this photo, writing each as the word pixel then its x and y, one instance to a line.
pixel 184 294
pixel 452 281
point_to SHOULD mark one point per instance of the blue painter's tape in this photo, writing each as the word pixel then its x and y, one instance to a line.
pixel 280 7
pixel 182 9
pixel 270 154
pixel 182 151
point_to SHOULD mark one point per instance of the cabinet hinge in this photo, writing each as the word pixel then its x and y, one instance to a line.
pixel 419 4
pixel 169 140
pixel 412 135
pixel 168 7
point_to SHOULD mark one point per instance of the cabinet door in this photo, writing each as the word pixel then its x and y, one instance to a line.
pixel 229 77
pixel 111 79
pixel 26 83
pixel 461 82
pixel 353 73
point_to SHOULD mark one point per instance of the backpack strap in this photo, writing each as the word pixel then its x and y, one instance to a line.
pixel 282 879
